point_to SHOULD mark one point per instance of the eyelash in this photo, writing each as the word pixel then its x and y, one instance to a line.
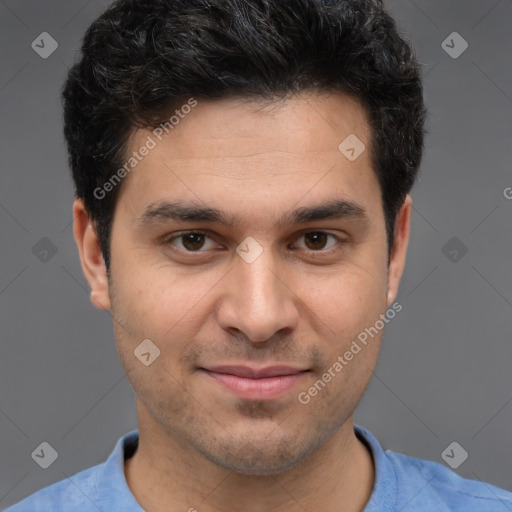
pixel 319 253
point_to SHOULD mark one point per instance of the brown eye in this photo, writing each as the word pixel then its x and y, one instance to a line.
pixel 192 241
pixel 316 241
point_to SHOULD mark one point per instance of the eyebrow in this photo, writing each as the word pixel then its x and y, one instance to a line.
pixel 164 211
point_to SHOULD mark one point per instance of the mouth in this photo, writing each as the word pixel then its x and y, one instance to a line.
pixel 249 383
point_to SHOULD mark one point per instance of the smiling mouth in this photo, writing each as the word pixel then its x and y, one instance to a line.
pixel 265 384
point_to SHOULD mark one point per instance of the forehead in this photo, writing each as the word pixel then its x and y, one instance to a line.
pixel 303 123
pixel 261 150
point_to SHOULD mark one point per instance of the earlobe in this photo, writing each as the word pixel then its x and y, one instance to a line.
pixel 399 250
pixel 91 257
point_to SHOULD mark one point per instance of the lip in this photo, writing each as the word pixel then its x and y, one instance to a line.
pixel 256 384
pixel 255 373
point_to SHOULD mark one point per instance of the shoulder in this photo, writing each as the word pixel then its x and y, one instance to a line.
pixel 410 484
pixel 423 483
pixel 100 487
pixel 77 492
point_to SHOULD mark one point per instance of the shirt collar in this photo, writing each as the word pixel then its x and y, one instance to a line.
pixel 112 489
pixel 383 497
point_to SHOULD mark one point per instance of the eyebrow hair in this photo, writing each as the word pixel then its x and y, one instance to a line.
pixel 163 211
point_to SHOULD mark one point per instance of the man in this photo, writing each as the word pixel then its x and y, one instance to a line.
pixel 242 173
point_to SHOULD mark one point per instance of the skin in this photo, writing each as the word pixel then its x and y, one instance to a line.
pixel 201 446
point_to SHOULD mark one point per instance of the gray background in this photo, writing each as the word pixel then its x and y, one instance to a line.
pixel 444 373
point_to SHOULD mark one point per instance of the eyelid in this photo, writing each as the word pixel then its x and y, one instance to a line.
pixel 167 240
pixel 320 251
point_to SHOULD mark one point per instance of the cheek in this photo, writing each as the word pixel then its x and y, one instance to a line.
pixel 156 298
pixel 167 308
pixel 346 301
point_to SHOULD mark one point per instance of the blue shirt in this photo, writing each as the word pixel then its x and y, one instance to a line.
pixel 402 483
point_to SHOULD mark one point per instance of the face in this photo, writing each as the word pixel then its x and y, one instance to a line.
pixel 285 265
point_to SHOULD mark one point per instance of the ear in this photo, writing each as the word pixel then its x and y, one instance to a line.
pixel 91 257
pixel 399 249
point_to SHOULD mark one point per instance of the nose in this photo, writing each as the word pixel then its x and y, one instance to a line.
pixel 258 301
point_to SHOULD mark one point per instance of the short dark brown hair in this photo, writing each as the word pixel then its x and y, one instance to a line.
pixel 141 59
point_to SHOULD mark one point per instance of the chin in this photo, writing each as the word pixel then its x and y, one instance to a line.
pixel 262 457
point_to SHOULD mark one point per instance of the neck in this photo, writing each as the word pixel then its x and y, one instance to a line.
pixel 166 474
